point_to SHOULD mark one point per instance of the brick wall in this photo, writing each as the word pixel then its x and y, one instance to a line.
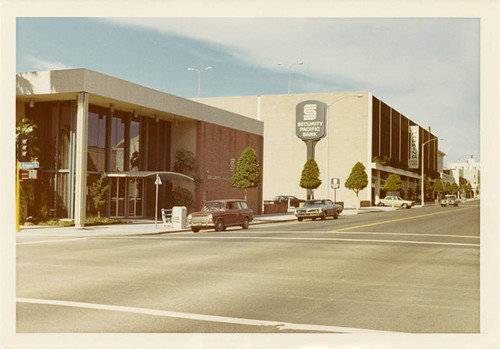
pixel 216 146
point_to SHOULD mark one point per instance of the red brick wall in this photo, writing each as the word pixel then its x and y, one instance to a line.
pixel 215 147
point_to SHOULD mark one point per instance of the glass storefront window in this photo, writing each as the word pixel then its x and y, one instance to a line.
pixel 63 139
pixel 135 144
pixel 96 146
pixel 117 142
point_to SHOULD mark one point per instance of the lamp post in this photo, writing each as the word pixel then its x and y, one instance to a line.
pixel 199 76
pixel 422 178
pixel 289 67
pixel 359 95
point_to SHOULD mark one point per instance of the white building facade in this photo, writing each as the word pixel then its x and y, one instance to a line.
pixel 359 128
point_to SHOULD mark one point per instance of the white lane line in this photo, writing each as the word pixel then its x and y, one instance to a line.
pixel 49 241
pixel 405 234
pixel 219 237
pixel 201 317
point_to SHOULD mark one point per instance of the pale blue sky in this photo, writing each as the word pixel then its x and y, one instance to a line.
pixel 426 68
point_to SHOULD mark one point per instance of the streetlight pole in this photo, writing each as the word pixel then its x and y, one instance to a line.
pixel 199 76
pixel 289 67
pixel 422 178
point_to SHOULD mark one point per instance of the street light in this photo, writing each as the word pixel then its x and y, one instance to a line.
pixel 289 67
pixel 199 76
pixel 422 178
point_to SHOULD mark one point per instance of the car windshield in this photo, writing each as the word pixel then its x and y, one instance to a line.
pixel 313 202
pixel 213 206
pixel 399 198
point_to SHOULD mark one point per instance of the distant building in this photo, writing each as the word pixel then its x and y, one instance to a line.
pixel 470 171
pixel 360 127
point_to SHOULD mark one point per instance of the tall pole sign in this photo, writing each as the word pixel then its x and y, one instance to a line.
pixel 310 126
pixel 310 123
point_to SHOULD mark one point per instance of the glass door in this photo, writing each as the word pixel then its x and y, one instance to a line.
pixel 135 190
pixel 118 197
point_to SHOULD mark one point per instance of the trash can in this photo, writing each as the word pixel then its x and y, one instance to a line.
pixel 179 217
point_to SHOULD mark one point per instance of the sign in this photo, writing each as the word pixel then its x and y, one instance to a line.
pixel 310 120
pixel 414 141
pixel 158 181
pixel 25 165
pixel 335 183
pixel 28 174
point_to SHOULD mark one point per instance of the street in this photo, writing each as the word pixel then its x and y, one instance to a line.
pixel 410 271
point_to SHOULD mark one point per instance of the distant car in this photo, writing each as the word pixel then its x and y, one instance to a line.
pixel 318 209
pixel 284 199
pixel 449 200
pixel 219 214
pixel 395 201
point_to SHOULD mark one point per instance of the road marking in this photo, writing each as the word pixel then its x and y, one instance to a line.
pixel 399 219
pixel 407 234
pixel 200 317
pixel 49 241
pixel 219 237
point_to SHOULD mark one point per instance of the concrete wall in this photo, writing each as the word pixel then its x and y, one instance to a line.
pixel 346 143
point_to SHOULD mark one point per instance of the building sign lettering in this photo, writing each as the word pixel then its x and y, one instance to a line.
pixel 310 120
pixel 413 156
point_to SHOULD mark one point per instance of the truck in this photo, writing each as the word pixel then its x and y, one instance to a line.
pixel 449 200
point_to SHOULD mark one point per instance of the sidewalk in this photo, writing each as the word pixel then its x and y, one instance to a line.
pixel 147 227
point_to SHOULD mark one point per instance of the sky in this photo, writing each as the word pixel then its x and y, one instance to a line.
pixel 426 68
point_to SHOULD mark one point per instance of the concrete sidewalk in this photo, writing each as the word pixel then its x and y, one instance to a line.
pixel 147 227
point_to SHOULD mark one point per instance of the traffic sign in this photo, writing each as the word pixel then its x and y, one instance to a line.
pixel 25 165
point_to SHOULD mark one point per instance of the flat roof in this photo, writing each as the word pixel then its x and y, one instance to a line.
pixel 104 90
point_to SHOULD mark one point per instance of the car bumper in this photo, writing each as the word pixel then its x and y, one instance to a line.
pixel 308 214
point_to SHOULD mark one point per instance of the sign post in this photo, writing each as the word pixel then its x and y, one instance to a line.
pixel 310 125
pixel 157 183
pixel 335 185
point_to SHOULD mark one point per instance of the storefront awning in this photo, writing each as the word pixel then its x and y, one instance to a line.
pixel 164 175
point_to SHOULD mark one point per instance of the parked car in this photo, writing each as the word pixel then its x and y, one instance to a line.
pixel 284 199
pixel 219 214
pixel 318 209
pixel 395 201
pixel 449 200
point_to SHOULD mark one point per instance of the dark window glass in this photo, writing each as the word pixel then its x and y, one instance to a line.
pixel 135 144
pixel 96 142
pixel 64 134
pixel 117 142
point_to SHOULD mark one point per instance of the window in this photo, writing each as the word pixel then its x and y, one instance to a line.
pixel 96 146
pixel 117 142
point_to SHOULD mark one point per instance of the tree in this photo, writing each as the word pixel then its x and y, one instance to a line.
pixel 393 183
pixel 427 187
pixel 454 187
pixel 99 191
pixel 357 181
pixel 184 161
pixel 447 188
pixel 438 186
pixel 310 177
pixel 247 172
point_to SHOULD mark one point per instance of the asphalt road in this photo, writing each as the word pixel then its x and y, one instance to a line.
pixel 412 271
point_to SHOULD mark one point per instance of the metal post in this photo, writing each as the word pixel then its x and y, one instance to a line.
pixel 422 187
pixel 157 182
pixel 18 197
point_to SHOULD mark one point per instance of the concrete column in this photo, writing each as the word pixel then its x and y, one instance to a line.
pixel 82 116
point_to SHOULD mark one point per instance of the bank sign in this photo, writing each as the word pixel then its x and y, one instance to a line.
pixel 310 120
pixel 413 158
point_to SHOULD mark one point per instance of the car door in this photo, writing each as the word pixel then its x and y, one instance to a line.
pixel 330 207
pixel 232 213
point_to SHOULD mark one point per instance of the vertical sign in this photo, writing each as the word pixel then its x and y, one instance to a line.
pixel 413 156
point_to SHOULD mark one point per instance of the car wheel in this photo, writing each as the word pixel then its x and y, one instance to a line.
pixel 380 204
pixel 299 219
pixel 195 230
pixel 404 206
pixel 219 225
pixel 323 216
pixel 336 215
pixel 246 223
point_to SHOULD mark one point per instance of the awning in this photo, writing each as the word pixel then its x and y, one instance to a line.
pixel 164 175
